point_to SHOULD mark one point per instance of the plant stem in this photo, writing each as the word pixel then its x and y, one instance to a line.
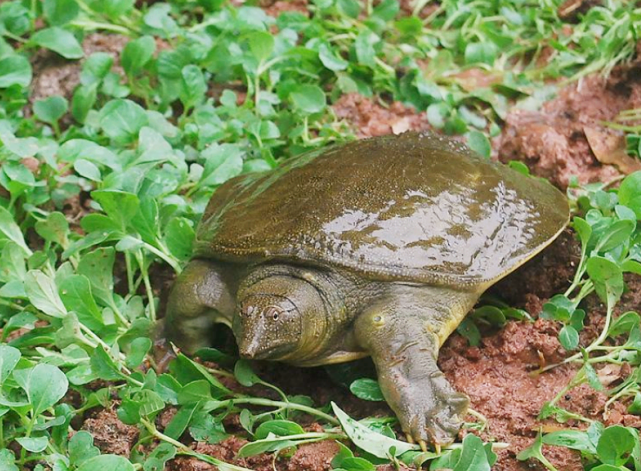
pixel 271 403
pixel 150 292
pixel 182 449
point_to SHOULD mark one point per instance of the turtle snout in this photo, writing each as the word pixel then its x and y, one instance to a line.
pixel 249 349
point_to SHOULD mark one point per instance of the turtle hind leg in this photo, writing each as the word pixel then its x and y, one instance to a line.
pixel 202 296
pixel 403 331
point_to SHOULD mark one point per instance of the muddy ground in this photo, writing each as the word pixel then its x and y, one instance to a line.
pixel 564 139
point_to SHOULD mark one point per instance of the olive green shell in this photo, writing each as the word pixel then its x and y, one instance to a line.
pixel 415 207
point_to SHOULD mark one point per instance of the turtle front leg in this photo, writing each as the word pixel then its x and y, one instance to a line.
pixel 403 332
pixel 202 295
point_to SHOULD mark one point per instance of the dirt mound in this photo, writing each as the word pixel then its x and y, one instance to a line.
pixel 55 75
pixel 368 118
pixel 567 138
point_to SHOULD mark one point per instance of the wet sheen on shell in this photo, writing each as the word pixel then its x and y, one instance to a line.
pixel 414 207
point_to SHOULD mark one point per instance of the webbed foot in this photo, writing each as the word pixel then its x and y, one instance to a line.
pixel 430 411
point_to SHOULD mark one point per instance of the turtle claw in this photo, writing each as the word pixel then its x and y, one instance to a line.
pixel 431 413
pixel 423 445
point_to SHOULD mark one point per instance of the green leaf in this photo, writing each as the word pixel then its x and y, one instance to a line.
pixel 350 8
pixel 179 237
pixel 356 464
pixel 193 86
pixel 151 402
pixel 120 206
pixel 10 230
pixel 473 456
pixel 437 113
pixel 484 52
pixel 634 408
pixel 95 68
pixel 592 377
pixel 75 292
pixel 616 445
pixel 364 45
pixel 59 40
pixel 9 357
pixel 630 193
pixel 103 365
pixel 519 167
pixel 266 445
pixel 615 235
pixel 330 60
pixel 572 439
pixel 535 451
pixel 107 463
pixel 387 10
pixel 60 12
pixel 137 351
pixel 607 277
pixel 372 442
pixel 112 8
pixel 122 120
pixel 44 384
pixel 33 444
pixel 83 101
pixel 624 324
pixel 190 368
pixel 608 467
pixel 479 143
pixel 280 428
pixel 195 392
pixel 97 266
pixel 222 162
pixel 468 329
pixel 244 373
pixel 368 389
pixel 87 169
pixel 308 99
pixel 181 420
pixel 15 70
pixel 583 229
pixel 43 294
pixel 55 228
pixel 137 54
pixel 81 448
pixel 569 337
pixel 7 460
pixel 206 428
pixel 261 45
pixel 157 459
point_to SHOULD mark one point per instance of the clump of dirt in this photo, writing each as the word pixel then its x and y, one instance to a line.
pixel 497 376
pixel 547 274
pixel 55 75
pixel 553 143
pixel 308 457
pixel 368 118
pixel 572 10
pixel 110 434
pixel 275 8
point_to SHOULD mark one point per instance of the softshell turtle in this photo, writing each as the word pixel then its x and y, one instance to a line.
pixel 378 247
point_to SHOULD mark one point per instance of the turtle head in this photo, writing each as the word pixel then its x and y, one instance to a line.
pixel 278 317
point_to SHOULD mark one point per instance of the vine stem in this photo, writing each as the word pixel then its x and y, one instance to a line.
pixel 285 405
pixel 184 450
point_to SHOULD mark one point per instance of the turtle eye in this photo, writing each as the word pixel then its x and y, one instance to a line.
pixel 273 312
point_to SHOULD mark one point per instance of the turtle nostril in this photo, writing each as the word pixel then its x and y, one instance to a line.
pixel 248 311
